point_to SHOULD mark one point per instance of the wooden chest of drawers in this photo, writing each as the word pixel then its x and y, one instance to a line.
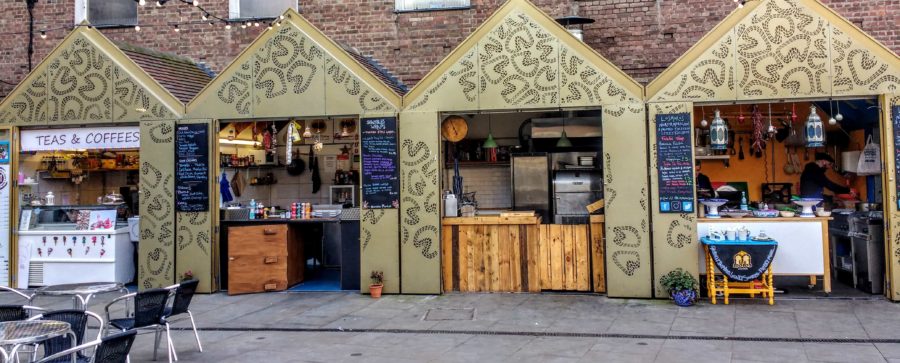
pixel 266 257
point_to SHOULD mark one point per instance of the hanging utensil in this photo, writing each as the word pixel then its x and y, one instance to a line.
pixel 741 152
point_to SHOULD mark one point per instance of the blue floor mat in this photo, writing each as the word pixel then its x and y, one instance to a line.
pixel 321 280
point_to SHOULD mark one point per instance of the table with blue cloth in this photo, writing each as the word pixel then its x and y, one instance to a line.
pixel 745 266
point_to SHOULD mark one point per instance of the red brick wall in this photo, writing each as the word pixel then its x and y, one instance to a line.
pixel 631 33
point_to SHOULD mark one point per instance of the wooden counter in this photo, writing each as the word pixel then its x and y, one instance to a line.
pixel 803 244
pixel 507 254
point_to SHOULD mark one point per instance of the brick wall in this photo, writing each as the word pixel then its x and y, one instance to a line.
pixel 641 36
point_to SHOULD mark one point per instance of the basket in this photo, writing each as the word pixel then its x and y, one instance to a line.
pixel 236 214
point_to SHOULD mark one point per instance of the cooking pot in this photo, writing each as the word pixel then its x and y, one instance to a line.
pixel 865 207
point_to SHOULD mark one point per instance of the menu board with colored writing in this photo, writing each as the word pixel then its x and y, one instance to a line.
pixel 380 172
pixel 895 117
pixel 674 163
pixel 192 168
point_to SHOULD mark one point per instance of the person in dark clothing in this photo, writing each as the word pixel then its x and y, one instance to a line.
pixel 813 181
pixel 704 186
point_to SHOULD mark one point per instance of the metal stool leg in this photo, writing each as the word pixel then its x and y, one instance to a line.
pixel 196 335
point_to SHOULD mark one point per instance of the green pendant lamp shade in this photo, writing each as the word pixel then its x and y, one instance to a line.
pixel 490 143
pixel 564 140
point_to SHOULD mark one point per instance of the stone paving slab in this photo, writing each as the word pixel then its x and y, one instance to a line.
pixel 349 327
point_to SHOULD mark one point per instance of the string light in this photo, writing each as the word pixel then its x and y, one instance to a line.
pixel 205 16
pixel 176 28
pixel 196 3
pixel 137 28
pixel 43 34
pixel 142 2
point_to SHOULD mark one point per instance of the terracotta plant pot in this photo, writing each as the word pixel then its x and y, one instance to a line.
pixel 375 290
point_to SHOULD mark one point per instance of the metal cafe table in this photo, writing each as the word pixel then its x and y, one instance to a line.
pixel 746 268
pixel 82 291
pixel 24 332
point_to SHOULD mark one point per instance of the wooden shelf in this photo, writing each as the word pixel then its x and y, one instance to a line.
pixel 713 157
pixel 255 167
pixel 483 164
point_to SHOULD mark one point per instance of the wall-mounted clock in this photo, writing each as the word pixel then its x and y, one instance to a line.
pixel 454 128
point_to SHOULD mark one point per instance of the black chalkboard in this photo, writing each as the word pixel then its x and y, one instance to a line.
pixel 192 168
pixel 674 163
pixel 895 117
pixel 380 173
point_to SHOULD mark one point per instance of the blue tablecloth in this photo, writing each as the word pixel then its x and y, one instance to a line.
pixel 741 260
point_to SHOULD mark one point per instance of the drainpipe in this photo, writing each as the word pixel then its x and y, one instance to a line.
pixel 29 4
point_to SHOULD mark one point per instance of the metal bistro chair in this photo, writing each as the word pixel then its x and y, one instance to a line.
pixel 149 307
pixel 181 303
pixel 78 320
pixel 109 349
pixel 16 312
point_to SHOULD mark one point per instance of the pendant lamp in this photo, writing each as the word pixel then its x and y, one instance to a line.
pixel 718 133
pixel 490 143
pixel 563 139
pixel 815 129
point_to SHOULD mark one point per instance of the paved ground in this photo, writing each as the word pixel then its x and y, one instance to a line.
pixel 348 327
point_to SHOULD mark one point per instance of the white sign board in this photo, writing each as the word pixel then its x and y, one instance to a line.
pixel 81 138
pixel 4 225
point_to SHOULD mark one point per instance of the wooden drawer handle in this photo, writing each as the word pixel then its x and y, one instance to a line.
pixel 270 259
pixel 269 232
pixel 270 287
pixel 230 258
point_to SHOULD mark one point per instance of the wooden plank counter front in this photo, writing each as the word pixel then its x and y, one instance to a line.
pixel 512 254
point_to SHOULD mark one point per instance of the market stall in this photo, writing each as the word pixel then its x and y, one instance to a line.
pixel 307 151
pixel 83 151
pixel 510 131
pixel 765 145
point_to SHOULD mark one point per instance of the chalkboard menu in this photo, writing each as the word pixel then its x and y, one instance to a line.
pixel 192 168
pixel 895 117
pixel 676 170
pixel 380 173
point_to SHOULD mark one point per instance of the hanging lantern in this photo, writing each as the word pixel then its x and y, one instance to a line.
pixel 815 129
pixel 563 139
pixel 490 143
pixel 718 133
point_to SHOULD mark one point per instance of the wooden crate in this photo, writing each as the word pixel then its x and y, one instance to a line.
pixel 263 258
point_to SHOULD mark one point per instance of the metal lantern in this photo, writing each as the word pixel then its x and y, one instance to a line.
pixel 718 133
pixel 815 129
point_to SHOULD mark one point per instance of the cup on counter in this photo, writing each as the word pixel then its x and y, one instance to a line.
pixel 743 235
pixel 731 235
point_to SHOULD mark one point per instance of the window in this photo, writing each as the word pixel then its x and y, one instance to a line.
pixel 419 5
pixel 247 9
pixel 106 13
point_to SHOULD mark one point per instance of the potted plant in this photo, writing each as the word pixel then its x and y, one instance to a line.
pixel 681 285
pixel 377 284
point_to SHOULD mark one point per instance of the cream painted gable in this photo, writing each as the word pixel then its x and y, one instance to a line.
pixel 293 70
pixel 87 79
pixel 775 49
pixel 521 58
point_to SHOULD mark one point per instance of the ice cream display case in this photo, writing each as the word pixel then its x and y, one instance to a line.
pixel 74 244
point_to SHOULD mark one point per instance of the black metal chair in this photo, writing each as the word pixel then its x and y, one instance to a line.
pixel 109 349
pixel 149 309
pixel 184 293
pixel 78 320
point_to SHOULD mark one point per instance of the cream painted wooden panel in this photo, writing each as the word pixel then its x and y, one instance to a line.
pixel 419 203
pixel 80 84
pixel 782 51
pixel 346 93
pixel 156 251
pixel 628 260
pixel 288 74
pixel 674 236
pixel 584 84
pixel 380 248
pixel 228 96
pixel 132 101
pixel 194 230
pixel 457 88
pixel 892 215
pixel 711 77
pixel 27 105
pixel 859 71
pixel 518 64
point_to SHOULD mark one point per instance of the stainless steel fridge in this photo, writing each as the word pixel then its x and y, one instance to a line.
pixel 531 184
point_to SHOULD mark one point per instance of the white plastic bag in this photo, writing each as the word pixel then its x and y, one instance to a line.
pixel 870 159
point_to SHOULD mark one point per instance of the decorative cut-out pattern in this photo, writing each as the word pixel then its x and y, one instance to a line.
pixel 583 84
pixel 710 77
pixel 132 102
pixel 463 74
pixel 782 49
pixel 857 70
pixel 287 64
pixel 235 91
pixel 157 221
pixel 518 61
pixel 370 219
pixel 80 84
pixel 419 180
pixel 368 100
pixel 28 106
